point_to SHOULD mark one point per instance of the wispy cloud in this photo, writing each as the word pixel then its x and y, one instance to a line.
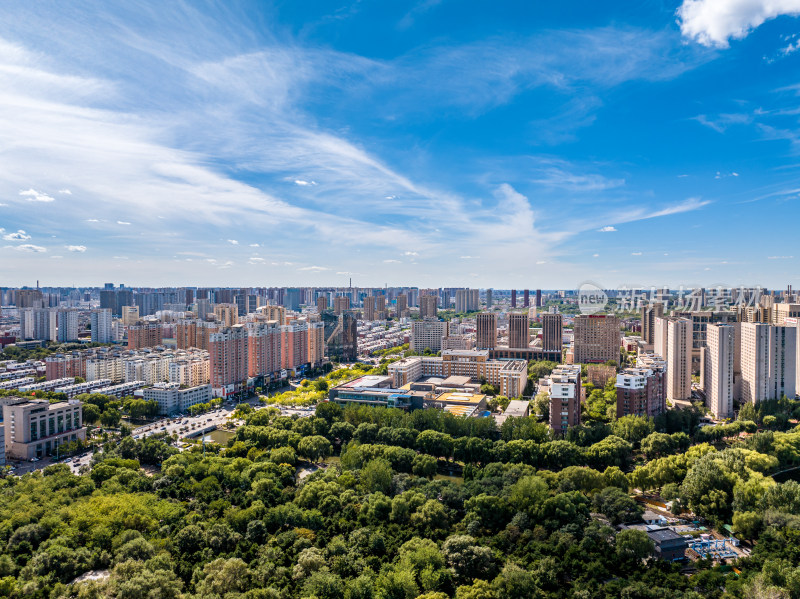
pixel 28 247
pixel 607 229
pixel 233 242
pixel 780 257
pixel 76 248
pixel 313 268
pixel 122 222
pixel 391 261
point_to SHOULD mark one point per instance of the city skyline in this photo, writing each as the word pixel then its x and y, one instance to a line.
pixel 435 143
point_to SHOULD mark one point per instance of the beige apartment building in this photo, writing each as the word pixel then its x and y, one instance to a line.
pixel 718 369
pixel 130 315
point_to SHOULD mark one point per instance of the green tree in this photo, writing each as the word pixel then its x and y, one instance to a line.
pixel 314 447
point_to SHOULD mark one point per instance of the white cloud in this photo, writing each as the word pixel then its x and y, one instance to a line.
pixel 715 22
pixel 410 254
pixel 35 196
pixel 254 245
pixel 56 257
pixel 122 222
pixel 18 236
pixel 636 253
pixel 233 242
pixel 392 262
pixel 314 268
pixel 76 248
pixel 28 247
pixel 65 192
pixel 93 220
pixel 256 260
pixel 595 255
pixel 121 258
pixel 607 229
pixel 302 183
pixel 779 257
pixel 541 262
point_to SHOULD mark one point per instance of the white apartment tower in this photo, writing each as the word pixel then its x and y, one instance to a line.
pixel 67 323
pixel 101 326
pixel 719 358
pixel 769 361
pixel 679 357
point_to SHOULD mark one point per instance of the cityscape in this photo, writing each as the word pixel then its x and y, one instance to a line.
pixel 415 300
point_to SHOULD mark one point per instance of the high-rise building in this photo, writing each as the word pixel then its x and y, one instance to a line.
pixel 369 308
pixel 401 305
pixel 29 298
pixel 519 333
pixel 526 298
pixel 130 314
pixel 428 306
pixel 322 303
pixel 552 332
pixel 291 299
pixel 513 298
pixel 427 334
pixel 769 361
pixel 145 334
pixel 564 388
pixel 229 360
pixel 780 312
pixel 264 349
pixel 677 345
pixel 462 300
pixel 100 322
pixel 294 345
pixel 718 369
pixel 486 336
pixel 641 390
pixel 67 325
pixel 538 298
pixel 204 308
pixel 488 298
pixel 649 314
pixel 44 324
pixel 227 314
pixel 316 343
pixel 597 338
pixel 380 307
pixel 341 336
pixel 186 334
pixel 340 304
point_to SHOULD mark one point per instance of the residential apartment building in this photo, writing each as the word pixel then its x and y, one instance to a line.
pixel 341 304
pixel 428 306
pixel 130 315
pixel 564 389
pixel 59 366
pixel 641 391
pixel 718 369
pixel 67 325
pixel 678 354
pixel 190 372
pixel 427 334
pixel 100 322
pixel 229 360
pixel 769 361
pixel 649 313
pixel 322 303
pixel 597 338
pixel 145 334
pixel 227 314
pixel 105 368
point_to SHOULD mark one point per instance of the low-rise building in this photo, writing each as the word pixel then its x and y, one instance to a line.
pixel 172 398
pixel 37 428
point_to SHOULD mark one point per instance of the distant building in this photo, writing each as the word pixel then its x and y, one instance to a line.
pixel 100 322
pixel 519 334
pixel 597 338
pixel 486 324
pixel 322 304
pixel 641 391
pixel 228 360
pixel 427 334
pixel 145 334
pixel 428 306
pixel 552 332
pixel 130 315
pixel 67 325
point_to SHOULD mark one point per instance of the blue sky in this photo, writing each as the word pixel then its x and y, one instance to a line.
pixel 510 144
